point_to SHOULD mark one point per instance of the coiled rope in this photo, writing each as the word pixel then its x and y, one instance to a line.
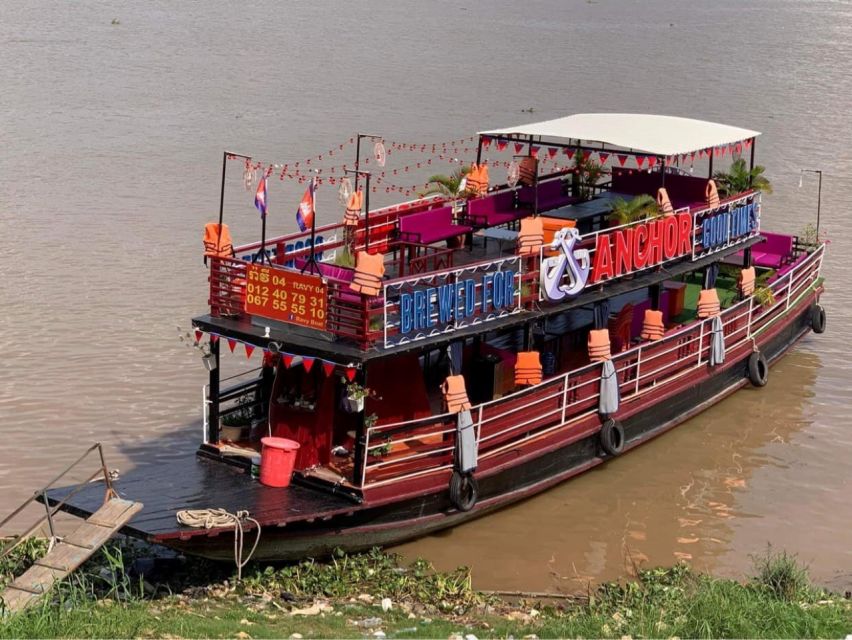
pixel 221 519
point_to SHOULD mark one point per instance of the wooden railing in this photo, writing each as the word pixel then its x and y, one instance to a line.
pixel 402 451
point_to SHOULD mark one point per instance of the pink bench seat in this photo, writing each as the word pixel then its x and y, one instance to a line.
pixel 494 210
pixel 430 226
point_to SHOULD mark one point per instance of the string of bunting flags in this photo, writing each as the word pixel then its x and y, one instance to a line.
pixel 287 359
pixel 305 170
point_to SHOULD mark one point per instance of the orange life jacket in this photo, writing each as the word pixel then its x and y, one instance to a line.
pixel 527 170
pixel 663 202
pixel 652 325
pixel 528 367
pixel 369 269
pixel 711 194
pixel 708 303
pixel 599 345
pixel 455 394
pixel 353 209
pixel 531 236
pixel 747 281
pixel 477 179
pixel 217 241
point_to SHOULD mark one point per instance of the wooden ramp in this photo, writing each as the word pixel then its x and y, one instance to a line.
pixel 68 554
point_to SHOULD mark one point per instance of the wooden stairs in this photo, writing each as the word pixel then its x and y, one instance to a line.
pixel 68 554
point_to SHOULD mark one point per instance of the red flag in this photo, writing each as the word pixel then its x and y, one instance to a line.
pixel 551 151
pixel 231 344
pixel 305 212
pixel 748 142
pixel 214 338
pixel 249 350
pixel 518 147
pixel 287 359
pixel 586 155
pixel 640 160
pixel 308 363
pixel 501 144
pixel 621 158
pixel 738 148
pixel 198 335
pixel 327 368
pixel 534 151
pixel 569 153
pixel 652 161
pixel 486 142
pixel 603 157
pixel 350 373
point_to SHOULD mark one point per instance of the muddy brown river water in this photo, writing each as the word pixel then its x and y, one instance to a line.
pixel 112 137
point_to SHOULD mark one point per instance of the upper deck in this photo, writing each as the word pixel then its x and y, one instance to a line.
pixel 440 289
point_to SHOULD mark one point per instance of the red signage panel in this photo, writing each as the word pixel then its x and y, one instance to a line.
pixel 287 296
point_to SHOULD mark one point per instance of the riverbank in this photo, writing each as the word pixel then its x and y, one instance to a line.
pixel 122 594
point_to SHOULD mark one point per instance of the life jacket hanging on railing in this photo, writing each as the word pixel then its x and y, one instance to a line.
pixel 455 394
pixel 477 179
pixel 599 345
pixel 711 194
pixel 708 303
pixel 528 369
pixel 531 236
pixel 747 280
pixel 355 204
pixel 528 171
pixel 369 270
pixel 217 241
pixel 652 325
pixel 664 203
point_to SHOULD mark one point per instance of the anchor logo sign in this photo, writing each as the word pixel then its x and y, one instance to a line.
pixel 572 265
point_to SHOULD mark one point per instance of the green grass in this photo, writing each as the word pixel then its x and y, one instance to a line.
pixel 342 598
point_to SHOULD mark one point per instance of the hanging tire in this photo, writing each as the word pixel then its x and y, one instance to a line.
pixel 758 369
pixel 612 437
pixel 464 491
pixel 818 318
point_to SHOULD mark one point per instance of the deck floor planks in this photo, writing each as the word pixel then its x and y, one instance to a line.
pixel 197 483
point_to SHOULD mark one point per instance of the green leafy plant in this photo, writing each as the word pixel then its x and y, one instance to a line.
pixel 355 391
pixel 588 174
pixel 345 258
pixel 738 178
pixel 242 415
pixel 764 296
pixel 633 210
pixel 781 574
pixel 452 186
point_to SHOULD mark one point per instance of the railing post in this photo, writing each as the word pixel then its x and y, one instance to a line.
pixel 750 315
pixel 107 479
pixel 638 367
pixel 205 413
pixel 49 514
pixel 564 396
pixel 701 340
pixel 789 289
pixel 479 426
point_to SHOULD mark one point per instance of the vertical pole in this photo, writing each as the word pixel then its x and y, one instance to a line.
pixel 366 212
pixel 360 435
pixel 751 163
pixel 710 170
pixel 262 252
pixel 479 151
pixel 357 159
pixel 222 190
pixel 213 423
pixel 819 200
pixel 662 162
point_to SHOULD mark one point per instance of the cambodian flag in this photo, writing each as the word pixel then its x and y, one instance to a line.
pixel 305 212
pixel 260 197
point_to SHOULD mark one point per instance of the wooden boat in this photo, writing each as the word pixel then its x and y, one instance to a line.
pixel 567 340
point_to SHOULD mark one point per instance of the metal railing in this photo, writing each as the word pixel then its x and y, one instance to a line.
pixel 561 402
pixel 50 512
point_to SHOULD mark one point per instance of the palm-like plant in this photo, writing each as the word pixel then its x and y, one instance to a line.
pixel 738 178
pixel 638 208
pixel 452 186
pixel 588 172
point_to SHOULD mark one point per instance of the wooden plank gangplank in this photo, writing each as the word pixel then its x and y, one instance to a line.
pixel 68 554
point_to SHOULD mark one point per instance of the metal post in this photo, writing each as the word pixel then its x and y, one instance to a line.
pixel 361 436
pixel 564 397
pixel 213 422
pixel 751 163
pixel 366 212
pixel 107 479
pixel 49 514
pixel 222 188
pixel 358 153
pixel 819 202
pixel 479 151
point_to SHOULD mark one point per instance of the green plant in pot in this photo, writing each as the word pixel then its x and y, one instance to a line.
pixel 586 176
pixel 354 397
pixel 235 424
pixel 633 210
pixel 739 178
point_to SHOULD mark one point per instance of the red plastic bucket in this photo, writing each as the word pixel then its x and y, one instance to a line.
pixel 277 459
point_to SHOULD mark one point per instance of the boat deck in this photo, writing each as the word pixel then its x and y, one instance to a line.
pixel 198 483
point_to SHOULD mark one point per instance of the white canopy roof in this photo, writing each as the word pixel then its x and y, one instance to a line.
pixel 658 135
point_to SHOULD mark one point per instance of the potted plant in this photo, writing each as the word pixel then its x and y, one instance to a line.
pixel 207 358
pixel 633 210
pixel 738 178
pixel 587 172
pixel 354 398
pixel 236 424
pixel 453 187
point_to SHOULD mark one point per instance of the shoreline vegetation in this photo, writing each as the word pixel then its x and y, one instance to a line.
pixel 125 592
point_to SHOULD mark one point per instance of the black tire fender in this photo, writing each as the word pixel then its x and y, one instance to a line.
pixel 758 369
pixel 818 319
pixel 612 437
pixel 464 491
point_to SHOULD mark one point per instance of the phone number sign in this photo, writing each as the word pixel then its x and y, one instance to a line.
pixel 286 296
